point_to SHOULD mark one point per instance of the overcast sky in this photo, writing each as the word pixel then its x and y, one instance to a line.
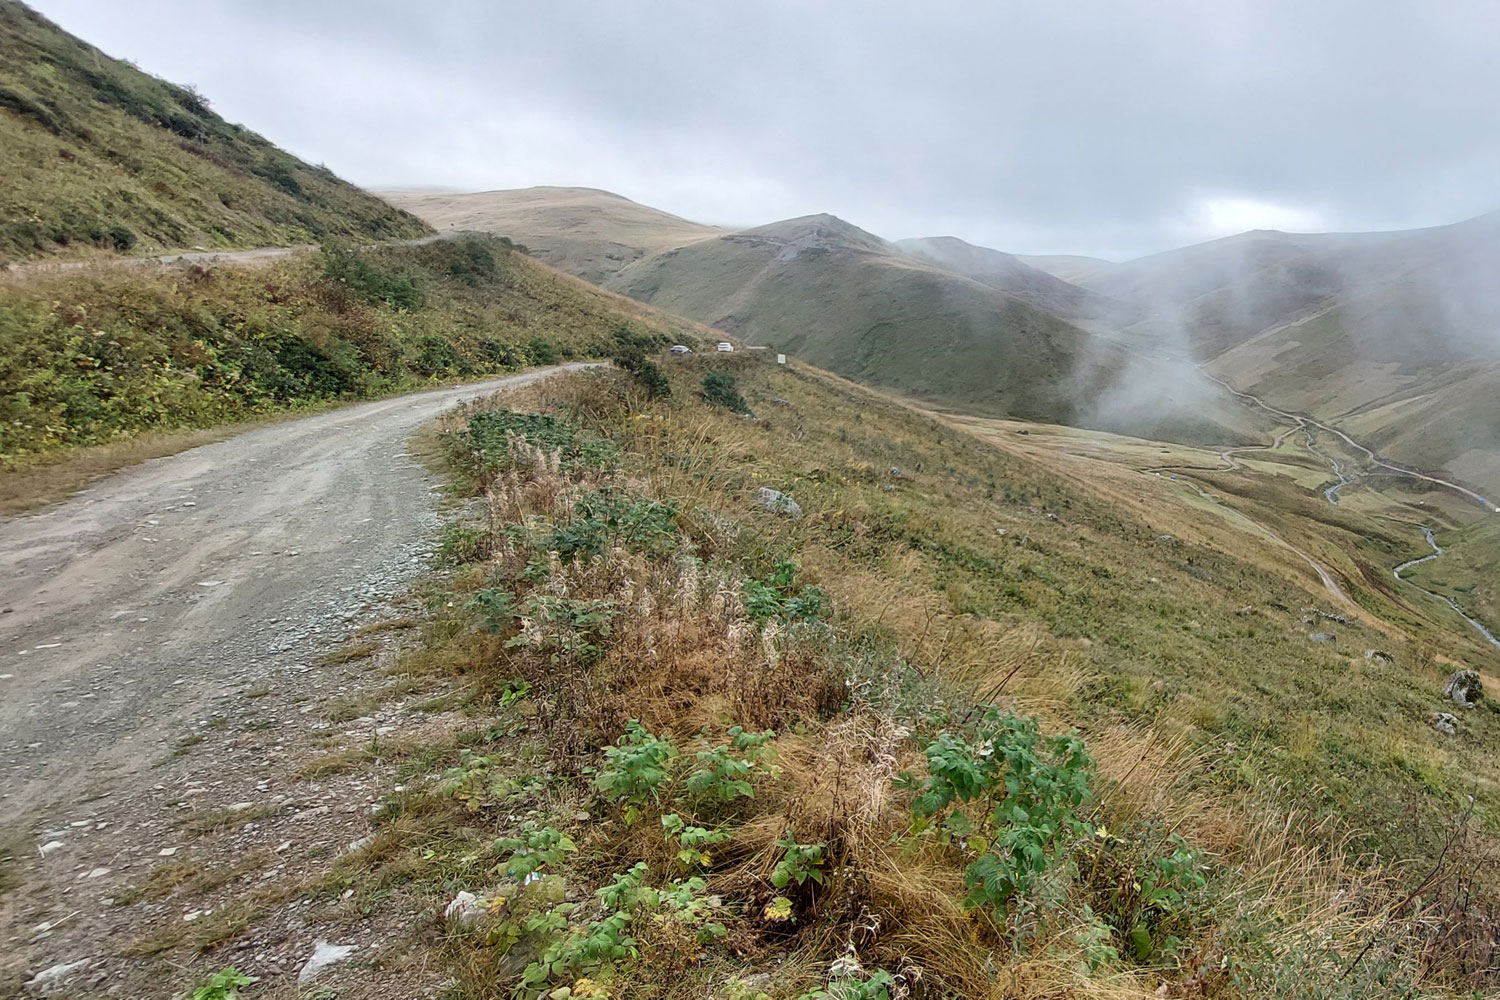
pixel 1108 128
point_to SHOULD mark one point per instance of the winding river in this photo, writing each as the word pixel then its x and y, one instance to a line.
pixel 1307 425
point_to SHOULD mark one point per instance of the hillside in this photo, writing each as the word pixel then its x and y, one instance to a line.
pixel 757 737
pixel 1011 275
pixel 583 231
pixel 1391 335
pixel 191 346
pixel 98 156
pixel 1073 268
pixel 843 299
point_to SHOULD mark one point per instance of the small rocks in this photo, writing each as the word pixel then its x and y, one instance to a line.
pixel 167 852
pixel 1377 656
pixel 1323 637
pixel 1444 722
pixel 324 955
pixel 46 979
pixel 1464 687
pixel 464 909
pixel 778 502
pixel 49 847
pixel 361 843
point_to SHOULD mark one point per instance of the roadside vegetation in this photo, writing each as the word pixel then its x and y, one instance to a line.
pixel 101 355
pixel 960 729
pixel 100 158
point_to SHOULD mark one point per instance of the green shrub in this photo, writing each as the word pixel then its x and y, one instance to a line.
pixel 781 597
pixel 720 390
pixel 635 769
pixel 1031 790
pixel 222 985
pixel 653 380
pixel 121 238
pixel 347 267
pixel 542 351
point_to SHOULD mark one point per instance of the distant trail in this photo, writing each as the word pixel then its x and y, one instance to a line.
pixel 252 256
pixel 1331 493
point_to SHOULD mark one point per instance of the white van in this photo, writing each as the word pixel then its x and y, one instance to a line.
pixel 725 347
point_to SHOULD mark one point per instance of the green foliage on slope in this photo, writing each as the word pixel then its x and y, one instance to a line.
pixel 99 155
pixel 88 357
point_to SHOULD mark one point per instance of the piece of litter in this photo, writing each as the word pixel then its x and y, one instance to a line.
pixel 324 955
pixel 167 852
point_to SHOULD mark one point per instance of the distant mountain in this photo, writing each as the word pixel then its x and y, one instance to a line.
pixel 1069 267
pixel 847 300
pixel 97 155
pixel 1011 275
pixel 1394 336
pixel 583 231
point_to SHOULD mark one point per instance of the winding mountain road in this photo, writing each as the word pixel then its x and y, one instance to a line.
pixel 125 610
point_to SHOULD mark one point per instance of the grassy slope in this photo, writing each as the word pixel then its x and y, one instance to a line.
pixel 1389 334
pixel 1009 274
pixel 847 302
pixel 1070 588
pixel 96 356
pixel 583 231
pixel 99 155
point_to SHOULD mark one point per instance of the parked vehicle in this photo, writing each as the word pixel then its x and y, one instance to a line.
pixel 680 349
pixel 725 347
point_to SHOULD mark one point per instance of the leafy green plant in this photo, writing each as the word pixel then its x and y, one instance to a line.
pixel 565 627
pixel 460 544
pixel 876 986
pixel 1146 898
pixel 649 376
pixel 635 769
pixel 726 772
pixel 496 606
pixel 490 434
pixel 347 267
pixel 536 848
pixel 799 863
pixel 474 781
pixel 1032 789
pixel 222 985
pixel 781 597
pixel 692 841
pixel 720 390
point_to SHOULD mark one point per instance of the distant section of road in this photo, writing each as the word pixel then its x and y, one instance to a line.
pixel 242 257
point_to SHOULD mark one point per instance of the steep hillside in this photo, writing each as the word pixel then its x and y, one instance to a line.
pixel 1011 275
pixel 1394 336
pixel 831 754
pixel 844 299
pixel 97 155
pixel 102 354
pixel 583 231
pixel 1072 268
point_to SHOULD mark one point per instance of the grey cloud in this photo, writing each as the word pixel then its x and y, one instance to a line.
pixel 1111 128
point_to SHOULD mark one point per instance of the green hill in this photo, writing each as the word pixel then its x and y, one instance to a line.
pixel 583 231
pixel 845 300
pixel 97 155
pixel 102 354
pixel 1392 336
pixel 1011 275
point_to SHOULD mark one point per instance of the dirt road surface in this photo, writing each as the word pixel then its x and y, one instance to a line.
pixel 131 612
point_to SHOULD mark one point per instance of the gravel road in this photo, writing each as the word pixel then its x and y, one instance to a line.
pixel 129 608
